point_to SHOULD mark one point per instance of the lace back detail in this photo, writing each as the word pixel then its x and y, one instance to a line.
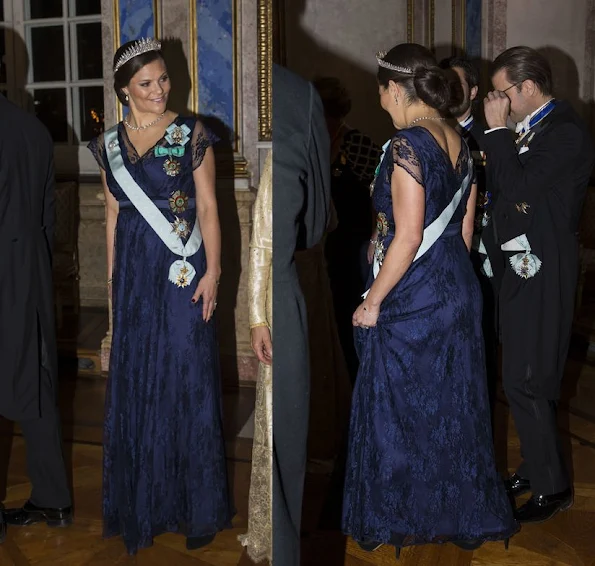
pixel 404 156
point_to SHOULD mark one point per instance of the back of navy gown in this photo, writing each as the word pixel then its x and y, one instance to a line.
pixel 421 464
pixel 164 453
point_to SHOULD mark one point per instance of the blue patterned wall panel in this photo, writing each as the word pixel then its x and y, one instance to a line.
pixel 215 41
pixel 137 19
pixel 473 28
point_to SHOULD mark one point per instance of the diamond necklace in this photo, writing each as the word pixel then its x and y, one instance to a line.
pixel 425 118
pixel 137 128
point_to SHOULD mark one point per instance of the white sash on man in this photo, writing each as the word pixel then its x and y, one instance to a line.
pixel 181 273
pixel 433 231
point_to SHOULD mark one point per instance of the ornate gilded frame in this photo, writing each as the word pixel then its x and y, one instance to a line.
pixel 265 64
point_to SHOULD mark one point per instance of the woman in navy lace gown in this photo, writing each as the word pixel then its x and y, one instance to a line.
pixel 421 465
pixel 164 459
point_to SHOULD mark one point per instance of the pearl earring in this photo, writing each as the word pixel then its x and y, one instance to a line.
pixel 126 98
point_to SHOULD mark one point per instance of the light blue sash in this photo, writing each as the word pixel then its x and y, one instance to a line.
pixel 433 232
pixel 181 273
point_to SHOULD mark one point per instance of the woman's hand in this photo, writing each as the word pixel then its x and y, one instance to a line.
pixel 365 316
pixel 207 288
pixel 262 344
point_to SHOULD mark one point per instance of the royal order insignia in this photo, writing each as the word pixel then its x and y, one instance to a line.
pixel 181 227
pixel 523 207
pixel 178 202
pixel 182 279
pixel 172 167
pixel 178 134
pixel 382 224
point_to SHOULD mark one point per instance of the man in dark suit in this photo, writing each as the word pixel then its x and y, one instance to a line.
pixel 541 180
pixel 301 202
pixel 484 244
pixel 28 378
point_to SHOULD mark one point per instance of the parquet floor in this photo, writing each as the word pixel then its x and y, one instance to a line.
pixel 81 544
pixel 567 540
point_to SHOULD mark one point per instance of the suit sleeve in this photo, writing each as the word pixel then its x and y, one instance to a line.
pixel 546 162
pixel 318 199
pixel 49 203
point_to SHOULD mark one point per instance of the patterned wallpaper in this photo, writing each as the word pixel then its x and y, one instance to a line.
pixel 137 19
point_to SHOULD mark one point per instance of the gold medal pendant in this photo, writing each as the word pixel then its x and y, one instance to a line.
pixel 172 167
pixel 181 227
pixel 178 202
pixel 182 278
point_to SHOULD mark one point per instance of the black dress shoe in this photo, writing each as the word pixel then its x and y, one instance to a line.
pixel 516 485
pixel 540 508
pixel 30 514
pixel 194 543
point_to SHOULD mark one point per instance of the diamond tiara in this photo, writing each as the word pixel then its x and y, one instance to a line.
pixel 140 46
pixel 380 58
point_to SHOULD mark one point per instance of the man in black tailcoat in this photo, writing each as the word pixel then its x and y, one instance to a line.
pixel 28 356
pixel 301 201
pixel 540 181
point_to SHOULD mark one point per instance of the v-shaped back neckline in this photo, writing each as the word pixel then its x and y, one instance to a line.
pixel 150 149
pixel 453 168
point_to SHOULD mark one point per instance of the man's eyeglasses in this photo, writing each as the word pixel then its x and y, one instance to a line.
pixel 512 86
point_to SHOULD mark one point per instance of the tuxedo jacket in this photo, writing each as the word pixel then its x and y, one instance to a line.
pixel 301 205
pixel 27 332
pixel 540 185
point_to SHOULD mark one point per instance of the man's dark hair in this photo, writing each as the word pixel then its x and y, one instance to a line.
pixel 335 97
pixel 525 64
pixel 469 69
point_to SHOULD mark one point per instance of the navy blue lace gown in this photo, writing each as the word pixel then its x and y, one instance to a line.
pixel 421 465
pixel 164 453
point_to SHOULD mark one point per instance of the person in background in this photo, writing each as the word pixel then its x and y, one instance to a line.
pixel 541 180
pixel 301 209
pixel 353 158
pixel 28 350
pixel 258 540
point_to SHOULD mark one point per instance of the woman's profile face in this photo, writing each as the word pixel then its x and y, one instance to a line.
pixel 149 88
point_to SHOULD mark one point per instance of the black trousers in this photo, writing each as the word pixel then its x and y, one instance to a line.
pixel 291 409
pixel 534 351
pixel 45 460
pixel 536 423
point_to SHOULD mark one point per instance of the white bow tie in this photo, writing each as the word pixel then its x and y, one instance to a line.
pixel 523 126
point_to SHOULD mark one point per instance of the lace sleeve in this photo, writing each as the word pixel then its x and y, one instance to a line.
pixel 404 156
pixel 97 147
pixel 202 139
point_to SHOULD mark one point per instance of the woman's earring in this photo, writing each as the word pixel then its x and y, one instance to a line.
pixel 126 98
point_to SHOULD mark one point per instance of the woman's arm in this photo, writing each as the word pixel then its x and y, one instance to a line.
pixel 112 209
pixel 469 219
pixel 207 215
pixel 409 210
pixel 260 266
